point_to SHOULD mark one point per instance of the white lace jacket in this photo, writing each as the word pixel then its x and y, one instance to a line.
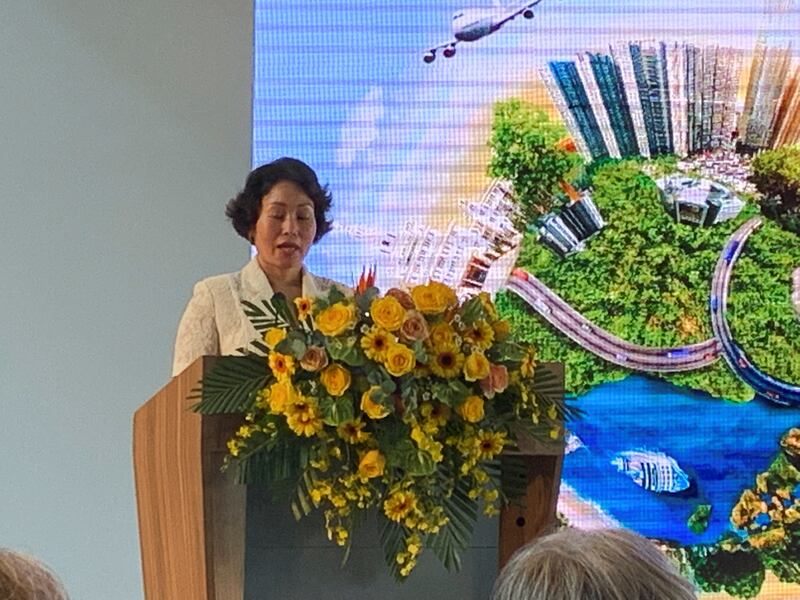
pixel 214 322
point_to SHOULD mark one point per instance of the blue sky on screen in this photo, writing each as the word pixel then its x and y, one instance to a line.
pixel 342 85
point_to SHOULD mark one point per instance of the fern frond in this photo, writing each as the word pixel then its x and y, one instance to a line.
pixel 393 542
pixel 454 538
pixel 230 385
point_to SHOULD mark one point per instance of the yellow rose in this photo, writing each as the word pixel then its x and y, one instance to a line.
pixel 336 319
pixel 429 299
pixel 273 336
pixel 442 334
pixel 372 409
pixel 400 360
pixel 387 313
pixel 281 395
pixel 445 292
pixel 471 410
pixel 476 367
pixel 335 379
pixel 371 465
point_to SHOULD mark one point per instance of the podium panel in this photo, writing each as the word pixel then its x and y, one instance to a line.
pixel 290 560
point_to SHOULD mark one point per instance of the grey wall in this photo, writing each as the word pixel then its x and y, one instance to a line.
pixel 124 127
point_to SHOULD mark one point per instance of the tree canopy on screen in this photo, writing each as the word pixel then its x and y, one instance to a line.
pixel 646 278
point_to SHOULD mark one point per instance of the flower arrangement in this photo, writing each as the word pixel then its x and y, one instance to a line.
pixel 401 404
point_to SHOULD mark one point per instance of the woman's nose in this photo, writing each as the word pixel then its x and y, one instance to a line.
pixel 291 225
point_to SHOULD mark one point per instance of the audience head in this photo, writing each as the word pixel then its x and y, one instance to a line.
pixel 25 578
pixel 245 208
pixel 602 564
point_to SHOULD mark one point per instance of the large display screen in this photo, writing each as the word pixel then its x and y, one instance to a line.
pixel 624 177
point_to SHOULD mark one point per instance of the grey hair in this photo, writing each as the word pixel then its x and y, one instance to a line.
pixel 23 577
pixel 600 564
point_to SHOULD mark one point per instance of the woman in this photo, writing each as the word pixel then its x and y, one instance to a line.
pixel 282 211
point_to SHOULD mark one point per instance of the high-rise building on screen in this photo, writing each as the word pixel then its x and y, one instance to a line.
pixel 647 98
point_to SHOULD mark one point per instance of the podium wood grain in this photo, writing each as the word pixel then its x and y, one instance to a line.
pixel 191 515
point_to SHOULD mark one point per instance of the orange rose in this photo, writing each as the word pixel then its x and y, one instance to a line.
pixel 372 409
pixel 399 360
pixel 471 410
pixel 476 367
pixel 281 395
pixel 387 313
pixel 336 319
pixel 335 379
pixel 372 464
pixel 429 299
pixel 273 336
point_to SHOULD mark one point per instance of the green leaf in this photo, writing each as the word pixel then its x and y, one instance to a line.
pixel 263 317
pixel 293 344
pixel 336 411
pixel 344 349
pixel 231 384
pixel 472 310
pixel 454 538
pixel 393 542
pixel 513 474
pixel 507 352
pixel 363 301
pixel 335 295
pixel 451 392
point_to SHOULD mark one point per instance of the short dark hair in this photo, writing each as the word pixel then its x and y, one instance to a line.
pixel 245 208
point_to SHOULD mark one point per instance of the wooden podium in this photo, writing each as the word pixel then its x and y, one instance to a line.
pixel 196 535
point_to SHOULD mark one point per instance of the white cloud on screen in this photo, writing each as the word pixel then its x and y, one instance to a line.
pixel 361 128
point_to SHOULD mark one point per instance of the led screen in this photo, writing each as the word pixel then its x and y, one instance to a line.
pixel 623 176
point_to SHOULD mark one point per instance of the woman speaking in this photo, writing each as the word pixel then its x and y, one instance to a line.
pixel 282 211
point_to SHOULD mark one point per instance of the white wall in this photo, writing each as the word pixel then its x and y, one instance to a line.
pixel 124 128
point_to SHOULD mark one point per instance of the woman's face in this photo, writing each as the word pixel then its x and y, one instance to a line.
pixel 285 228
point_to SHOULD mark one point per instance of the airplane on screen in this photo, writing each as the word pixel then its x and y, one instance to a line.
pixel 472 24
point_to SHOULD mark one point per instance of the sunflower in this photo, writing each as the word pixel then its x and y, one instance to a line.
pixel 399 504
pixel 303 418
pixel 447 361
pixel 352 431
pixel 490 444
pixel 480 334
pixel 304 306
pixel 281 365
pixel 376 343
pixel 435 412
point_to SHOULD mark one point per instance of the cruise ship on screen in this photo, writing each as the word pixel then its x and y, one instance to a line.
pixel 654 471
